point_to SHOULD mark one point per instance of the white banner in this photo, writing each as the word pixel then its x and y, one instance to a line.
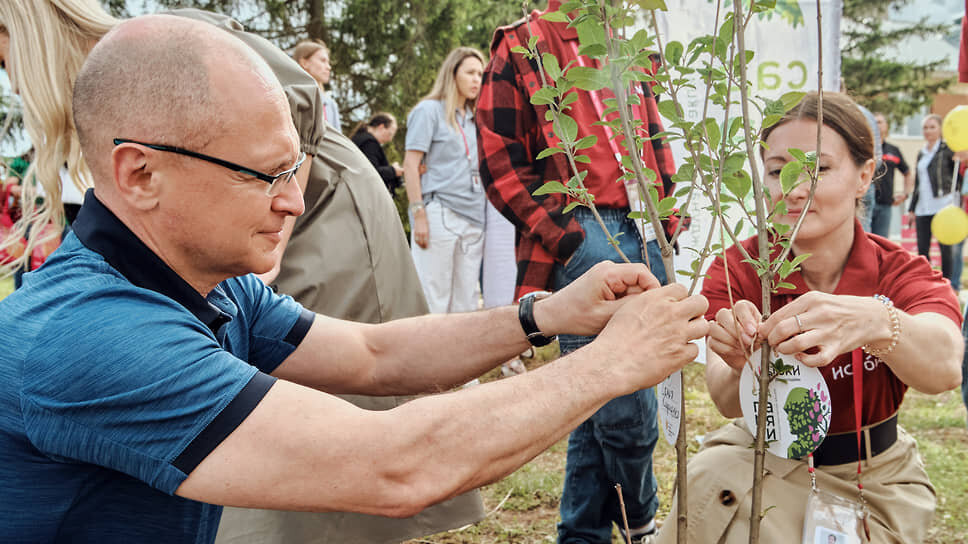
pixel 785 43
pixel 784 40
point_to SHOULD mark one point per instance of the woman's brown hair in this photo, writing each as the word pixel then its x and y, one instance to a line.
pixel 842 115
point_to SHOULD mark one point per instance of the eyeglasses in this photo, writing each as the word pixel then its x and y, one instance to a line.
pixel 276 182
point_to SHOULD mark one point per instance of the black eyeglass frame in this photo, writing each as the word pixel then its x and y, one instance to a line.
pixel 271 180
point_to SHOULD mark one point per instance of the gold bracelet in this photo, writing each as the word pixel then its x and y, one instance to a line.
pixel 895 329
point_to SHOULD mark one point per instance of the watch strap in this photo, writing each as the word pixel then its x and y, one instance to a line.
pixel 526 317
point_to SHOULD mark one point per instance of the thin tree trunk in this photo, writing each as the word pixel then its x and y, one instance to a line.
pixel 317 23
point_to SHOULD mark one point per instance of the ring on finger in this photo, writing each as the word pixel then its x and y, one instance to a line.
pixel 799 323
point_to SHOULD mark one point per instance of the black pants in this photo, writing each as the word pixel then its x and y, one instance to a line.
pixel 922 225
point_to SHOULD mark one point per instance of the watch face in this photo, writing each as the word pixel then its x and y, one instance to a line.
pixel 537 295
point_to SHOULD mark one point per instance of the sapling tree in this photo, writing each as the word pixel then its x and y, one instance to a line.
pixel 719 167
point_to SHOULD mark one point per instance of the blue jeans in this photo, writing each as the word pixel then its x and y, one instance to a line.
pixel 949 254
pixel 615 444
pixel 881 219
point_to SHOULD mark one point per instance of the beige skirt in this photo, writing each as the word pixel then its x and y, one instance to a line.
pixel 900 496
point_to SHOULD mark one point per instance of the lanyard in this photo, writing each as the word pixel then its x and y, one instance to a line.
pixel 857 369
pixel 857 363
pixel 467 148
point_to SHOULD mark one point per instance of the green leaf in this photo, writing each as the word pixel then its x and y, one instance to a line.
pixel 652 4
pixel 550 187
pixel 791 99
pixel 640 40
pixel 586 142
pixel 780 209
pixel 568 100
pixel 532 41
pixel 726 32
pixel 666 205
pixel 520 49
pixel 547 152
pixel 551 66
pixel 673 52
pixel 593 50
pixel 571 206
pixel 785 269
pixel 712 129
pixel 800 258
pixel 734 163
pixel 566 128
pixel 763 5
pixel 556 17
pixel 583 159
pixel 785 285
pixel 739 184
pixel 790 176
pixel 588 78
pixel 771 120
pixel 797 154
pixel 667 108
pixel 544 96
pixel 734 126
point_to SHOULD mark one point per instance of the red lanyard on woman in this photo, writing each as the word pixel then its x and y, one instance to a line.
pixel 467 148
pixel 857 362
pixel 857 369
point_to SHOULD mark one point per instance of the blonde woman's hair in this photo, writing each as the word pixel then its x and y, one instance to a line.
pixel 445 87
pixel 307 48
pixel 56 34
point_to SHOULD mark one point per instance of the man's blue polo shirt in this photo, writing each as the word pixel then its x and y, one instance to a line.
pixel 117 379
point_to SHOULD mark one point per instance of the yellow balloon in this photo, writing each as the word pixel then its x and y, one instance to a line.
pixel 950 225
pixel 955 129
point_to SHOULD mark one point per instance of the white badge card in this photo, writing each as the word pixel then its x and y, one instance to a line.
pixel 831 519
pixel 476 185
pixel 669 392
pixel 636 205
pixel 798 409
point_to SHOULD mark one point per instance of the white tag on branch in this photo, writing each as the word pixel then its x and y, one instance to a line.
pixel 669 393
pixel 798 409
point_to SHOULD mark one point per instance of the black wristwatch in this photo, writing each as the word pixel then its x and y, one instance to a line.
pixel 526 317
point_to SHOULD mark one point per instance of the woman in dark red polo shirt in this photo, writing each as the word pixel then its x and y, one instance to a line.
pixel 908 335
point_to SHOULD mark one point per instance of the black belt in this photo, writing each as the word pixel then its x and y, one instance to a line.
pixel 838 449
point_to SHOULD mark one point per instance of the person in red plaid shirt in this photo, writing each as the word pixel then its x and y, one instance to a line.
pixel 615 445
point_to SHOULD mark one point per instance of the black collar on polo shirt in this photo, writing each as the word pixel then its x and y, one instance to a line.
pixel 102 232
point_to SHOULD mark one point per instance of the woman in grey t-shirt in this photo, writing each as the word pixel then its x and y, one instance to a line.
pixel 444 187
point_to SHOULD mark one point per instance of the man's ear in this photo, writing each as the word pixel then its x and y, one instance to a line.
pixel 134 181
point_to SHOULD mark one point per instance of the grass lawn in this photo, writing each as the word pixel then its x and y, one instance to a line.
pixel 523 508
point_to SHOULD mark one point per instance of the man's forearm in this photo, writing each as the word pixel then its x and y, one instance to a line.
pixel 453 348
pixel 330 456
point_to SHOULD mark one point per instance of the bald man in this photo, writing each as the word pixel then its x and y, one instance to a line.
pixel 147 375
